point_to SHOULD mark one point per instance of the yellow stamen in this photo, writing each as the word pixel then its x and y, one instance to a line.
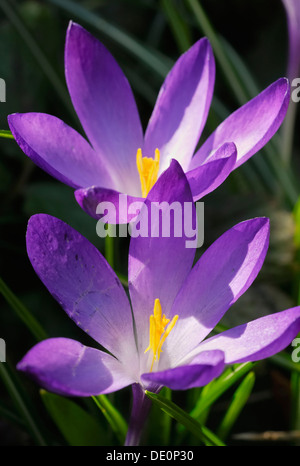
pixel 148 170
pixel 158 331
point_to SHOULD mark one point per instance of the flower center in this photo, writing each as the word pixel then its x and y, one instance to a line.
pixel 148 170
pixel 158 331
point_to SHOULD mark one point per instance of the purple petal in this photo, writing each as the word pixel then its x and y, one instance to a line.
pixel 222 274
pixel 199 372
pixel 69 368
pixel 105 105
pixel 251 126
pixel 83 283
pixel 58 149
pixel 210 175
pixel 114 206
pixel 258 339
pixel 158 265
pixel 182 106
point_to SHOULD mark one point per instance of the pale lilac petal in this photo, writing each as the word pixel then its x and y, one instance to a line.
pixel 67 367
pixel 199 372
pixel 111 206
pixel 182 106
pixel 58 149
pixel 158 265
pixel 221 275
pixel 251 126
pixel 258 339
pixel 210 175
pixel 83 283
pixel 104 103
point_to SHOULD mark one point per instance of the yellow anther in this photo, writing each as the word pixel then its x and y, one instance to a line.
pixel 148 170
pixel 158 331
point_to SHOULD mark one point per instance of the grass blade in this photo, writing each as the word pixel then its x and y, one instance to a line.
pixel 152 59
pixel 229 73
pixel 77 426
pixel 21 404
pixel 22 312
pixel 199 431
pixel 179 27
pixel 6 134
pixel 112 415
pixel 38 54
pixel 240 398
pixel 217 387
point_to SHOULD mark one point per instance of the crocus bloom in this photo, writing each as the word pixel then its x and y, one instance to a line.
pixel 118 158
pixel 175 306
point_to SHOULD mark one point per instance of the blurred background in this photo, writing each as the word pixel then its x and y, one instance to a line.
pixel 250 42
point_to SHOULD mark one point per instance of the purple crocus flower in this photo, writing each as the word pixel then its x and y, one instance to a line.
pixel 118 158
pixel 160 338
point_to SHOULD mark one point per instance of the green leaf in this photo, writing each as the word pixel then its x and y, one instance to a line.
pixel 112 415
pixel 160 422
pixel 77 426
pixel 199 431
pixel 179 27
pixel 6 134
pixel 14 388
pixel 109 246
pixel 228 70
pixel 295 401
pixel 296 214
pixel 37 53
pixel 240 398
pixel 22 312
pixel 152 59
pixel 218 386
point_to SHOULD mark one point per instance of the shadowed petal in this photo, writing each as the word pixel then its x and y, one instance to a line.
pixel 199 372
pixel 210 175
pixel 58 149
pixel 258 339
pixel 83 283
pixel 293 20
pixel 221 275
pixel 69 368
pixel 182 106
pixel 104 103
pixel 251 126
pixel 116 207
pixel 158 265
